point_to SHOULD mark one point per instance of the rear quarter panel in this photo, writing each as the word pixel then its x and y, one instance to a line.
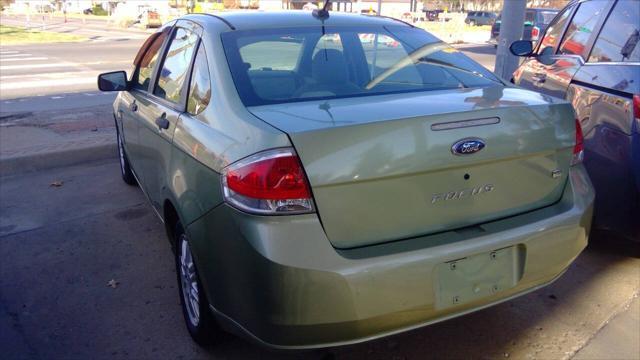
pixel 601 95
pixel 223 133
pixel 205 143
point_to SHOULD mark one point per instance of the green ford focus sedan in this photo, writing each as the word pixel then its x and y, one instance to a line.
pixel 326 181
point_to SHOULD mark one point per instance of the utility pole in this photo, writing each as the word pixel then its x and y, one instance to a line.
pixel 511 29
pixel 379 7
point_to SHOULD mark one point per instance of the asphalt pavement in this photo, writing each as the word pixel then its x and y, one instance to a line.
pixel 51 112
pixel 66 233
pixel 484 54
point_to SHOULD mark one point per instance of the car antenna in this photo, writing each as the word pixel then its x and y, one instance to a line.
pixel 323 13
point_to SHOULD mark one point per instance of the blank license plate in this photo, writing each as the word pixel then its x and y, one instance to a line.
pixel 476 277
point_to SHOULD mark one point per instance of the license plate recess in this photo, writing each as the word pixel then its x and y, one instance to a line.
pixel 478 276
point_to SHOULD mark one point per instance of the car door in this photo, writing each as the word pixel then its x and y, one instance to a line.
pixel 527 75
pixel 160 109
pixel 602 94
pixel 145 64
pixel 569 54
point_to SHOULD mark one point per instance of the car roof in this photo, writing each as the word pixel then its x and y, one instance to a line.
pixel 246 20
pixel 542 9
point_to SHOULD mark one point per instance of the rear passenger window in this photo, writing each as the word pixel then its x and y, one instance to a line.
pixel 328 41
pixel 545 17
pixel 176 64
pixel 581 27
pixel 200 88
pixel 384 54
pixel 271 62
pixel 618 40
pixel 288 48
pixel 144 71
pixel 529 18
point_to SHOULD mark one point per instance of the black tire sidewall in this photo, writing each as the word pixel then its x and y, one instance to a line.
pixel 125 169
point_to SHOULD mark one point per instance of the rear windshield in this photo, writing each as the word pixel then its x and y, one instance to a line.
pixel 298 64
pixel 545 17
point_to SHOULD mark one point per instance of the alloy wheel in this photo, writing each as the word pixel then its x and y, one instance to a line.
pixel 189 282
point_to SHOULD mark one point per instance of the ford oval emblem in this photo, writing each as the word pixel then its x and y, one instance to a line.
pixel 467 146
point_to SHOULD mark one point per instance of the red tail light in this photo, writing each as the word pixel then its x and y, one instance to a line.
pixel 578 148
pixel 636 106
pixel 270 182
pixel 535 33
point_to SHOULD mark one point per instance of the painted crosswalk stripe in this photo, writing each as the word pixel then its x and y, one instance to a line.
pixel 39 84
pixel 60 64
pixel 25 59
pixel 2 56
pixel 50 75
pixel 8 52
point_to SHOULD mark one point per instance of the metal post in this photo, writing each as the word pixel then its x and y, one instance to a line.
pixel 511 29
pixel 44 26
pixel 379 8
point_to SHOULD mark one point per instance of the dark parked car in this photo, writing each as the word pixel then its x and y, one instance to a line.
pixel 480 18
pixel 434 15
pixel 535 23
pixel 590 56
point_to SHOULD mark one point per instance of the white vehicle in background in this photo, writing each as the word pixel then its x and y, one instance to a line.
pixel 309 6
pixel 148 17
pixel 382 40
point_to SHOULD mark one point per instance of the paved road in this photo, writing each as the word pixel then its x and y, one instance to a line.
pixel 60 68
pixel 481 53
pixel 61 245
pixel 56 69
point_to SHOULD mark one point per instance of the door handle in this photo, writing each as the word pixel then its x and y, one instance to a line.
pixel 133 107
pixel 162 122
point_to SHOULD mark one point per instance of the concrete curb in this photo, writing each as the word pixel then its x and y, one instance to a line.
pixel 48 160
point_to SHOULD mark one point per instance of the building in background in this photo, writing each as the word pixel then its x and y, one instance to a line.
pixel 487 5
pixel 402 9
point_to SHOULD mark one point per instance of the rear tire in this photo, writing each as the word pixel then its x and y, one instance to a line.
pixel 201 324
pixel 125 168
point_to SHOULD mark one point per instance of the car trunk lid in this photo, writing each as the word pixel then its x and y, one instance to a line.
pixel 382 168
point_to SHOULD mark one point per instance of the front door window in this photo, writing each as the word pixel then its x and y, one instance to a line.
pixel 174 70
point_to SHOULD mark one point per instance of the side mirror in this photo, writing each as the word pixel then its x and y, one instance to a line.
pixel 546 56
pixel 113 81
pixel 521 48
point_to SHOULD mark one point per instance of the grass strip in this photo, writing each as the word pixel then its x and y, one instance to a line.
pixel 14 35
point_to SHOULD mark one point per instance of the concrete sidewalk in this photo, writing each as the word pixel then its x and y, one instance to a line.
pixel 618 339
pixel 33 139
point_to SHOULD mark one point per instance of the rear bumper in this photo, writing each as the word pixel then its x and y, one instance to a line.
pixel 280 282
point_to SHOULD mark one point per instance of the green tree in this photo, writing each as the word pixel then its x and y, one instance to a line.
pixel 5 3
